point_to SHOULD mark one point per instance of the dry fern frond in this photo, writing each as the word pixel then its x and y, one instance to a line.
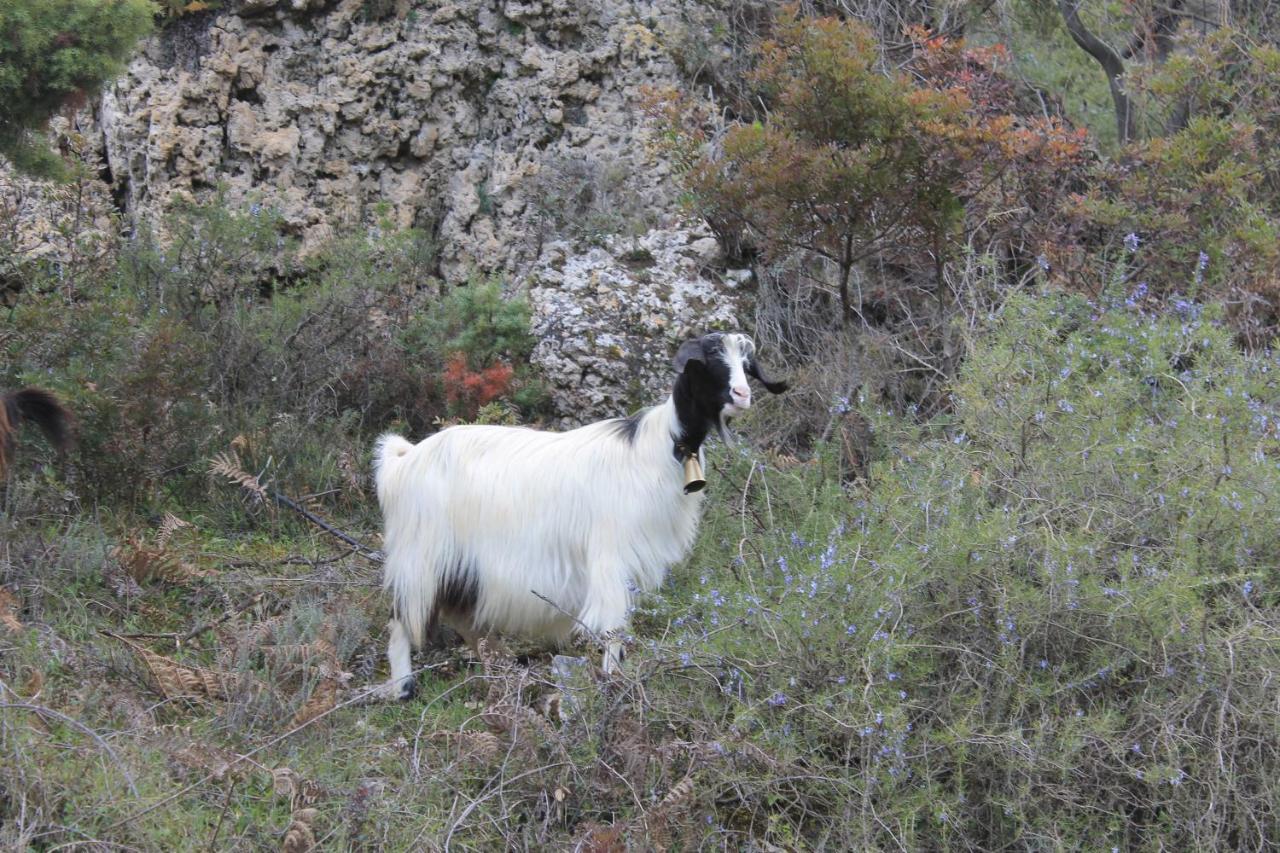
pixel 300 837
pixel 170 525
pixel 284 781
pixel 677 798
pixel 177 680
pixel 258 635
pixel 324 696
pixel 520 720
pixel 228 466
pixel 33 684
pixel 9 611
pixel 302 793
pixel 323 699
pixel 144 563
pixel 470 746
pixel 180 681
pixel 596 838
pixel 319 652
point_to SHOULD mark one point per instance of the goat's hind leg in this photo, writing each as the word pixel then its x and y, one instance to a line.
pixel 402 685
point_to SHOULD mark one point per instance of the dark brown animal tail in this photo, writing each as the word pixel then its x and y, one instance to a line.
pixel 40 408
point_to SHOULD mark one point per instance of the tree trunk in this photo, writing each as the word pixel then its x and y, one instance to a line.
pixel 1110 61
pixel 846 268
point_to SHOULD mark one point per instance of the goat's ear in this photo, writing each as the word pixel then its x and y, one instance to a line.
pixel 753 369
pixel 689 351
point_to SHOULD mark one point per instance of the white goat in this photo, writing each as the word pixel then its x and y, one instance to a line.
pixel 537 533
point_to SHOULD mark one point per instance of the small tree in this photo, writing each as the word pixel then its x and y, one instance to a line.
pixel 53 54
pixel 847 157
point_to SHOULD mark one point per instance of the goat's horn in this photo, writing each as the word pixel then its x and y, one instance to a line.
pixel 753 369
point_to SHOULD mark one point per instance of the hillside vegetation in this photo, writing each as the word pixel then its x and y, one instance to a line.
pixel 999 572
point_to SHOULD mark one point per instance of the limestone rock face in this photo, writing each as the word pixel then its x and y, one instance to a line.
pixel 447 114
pixel 513 130
pixel 609 320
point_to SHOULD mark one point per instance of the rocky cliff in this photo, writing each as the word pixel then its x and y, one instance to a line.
pixel 512 129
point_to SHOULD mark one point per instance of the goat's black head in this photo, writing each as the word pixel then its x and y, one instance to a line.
pixel 712 385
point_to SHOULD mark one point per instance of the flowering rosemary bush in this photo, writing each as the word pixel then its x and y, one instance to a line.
pixel 1047 619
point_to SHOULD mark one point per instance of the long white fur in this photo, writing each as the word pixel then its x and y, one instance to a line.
pixel 581 518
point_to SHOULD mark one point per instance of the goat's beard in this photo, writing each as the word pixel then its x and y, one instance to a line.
pixel 722 429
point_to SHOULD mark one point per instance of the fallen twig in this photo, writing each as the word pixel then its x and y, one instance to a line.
pixel 365 550
pixel 179 639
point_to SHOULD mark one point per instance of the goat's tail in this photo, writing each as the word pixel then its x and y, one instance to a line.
pixel 387 454
pixel 40 408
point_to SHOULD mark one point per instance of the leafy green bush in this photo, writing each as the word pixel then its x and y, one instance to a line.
pixel 486 336
pixel 1194 209
pixel 221 332
pixel 57 53
pixel 1047 619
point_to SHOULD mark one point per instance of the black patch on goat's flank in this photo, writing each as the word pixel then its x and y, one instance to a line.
pixel 626 428
pixel 458 591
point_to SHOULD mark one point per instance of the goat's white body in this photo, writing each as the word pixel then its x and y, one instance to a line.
pixel 581 518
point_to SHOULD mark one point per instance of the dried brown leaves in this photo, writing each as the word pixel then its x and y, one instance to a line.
pixel 181 681
pixel 228 466
pixel 147 562
pixel 302 794
pixel 9 608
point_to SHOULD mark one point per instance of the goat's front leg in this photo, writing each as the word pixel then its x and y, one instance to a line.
pixel 604 614
pixel 613 654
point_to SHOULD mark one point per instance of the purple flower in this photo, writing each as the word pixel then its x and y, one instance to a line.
pixel 1131 241
pixel 777 700
pixel 1247 589
pixel 1139 293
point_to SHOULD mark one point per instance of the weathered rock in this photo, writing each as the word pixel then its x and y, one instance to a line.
pixel 443 111
pixel 609 320
pixel 501 125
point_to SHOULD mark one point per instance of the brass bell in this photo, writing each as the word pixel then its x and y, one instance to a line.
pixel 694 481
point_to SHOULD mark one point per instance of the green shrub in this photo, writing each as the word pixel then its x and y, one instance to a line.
pixel 222 332
pixel 1194 209
pixel 1047 619
pixel 57 53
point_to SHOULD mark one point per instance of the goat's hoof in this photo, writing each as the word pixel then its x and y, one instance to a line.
pixel 398 691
